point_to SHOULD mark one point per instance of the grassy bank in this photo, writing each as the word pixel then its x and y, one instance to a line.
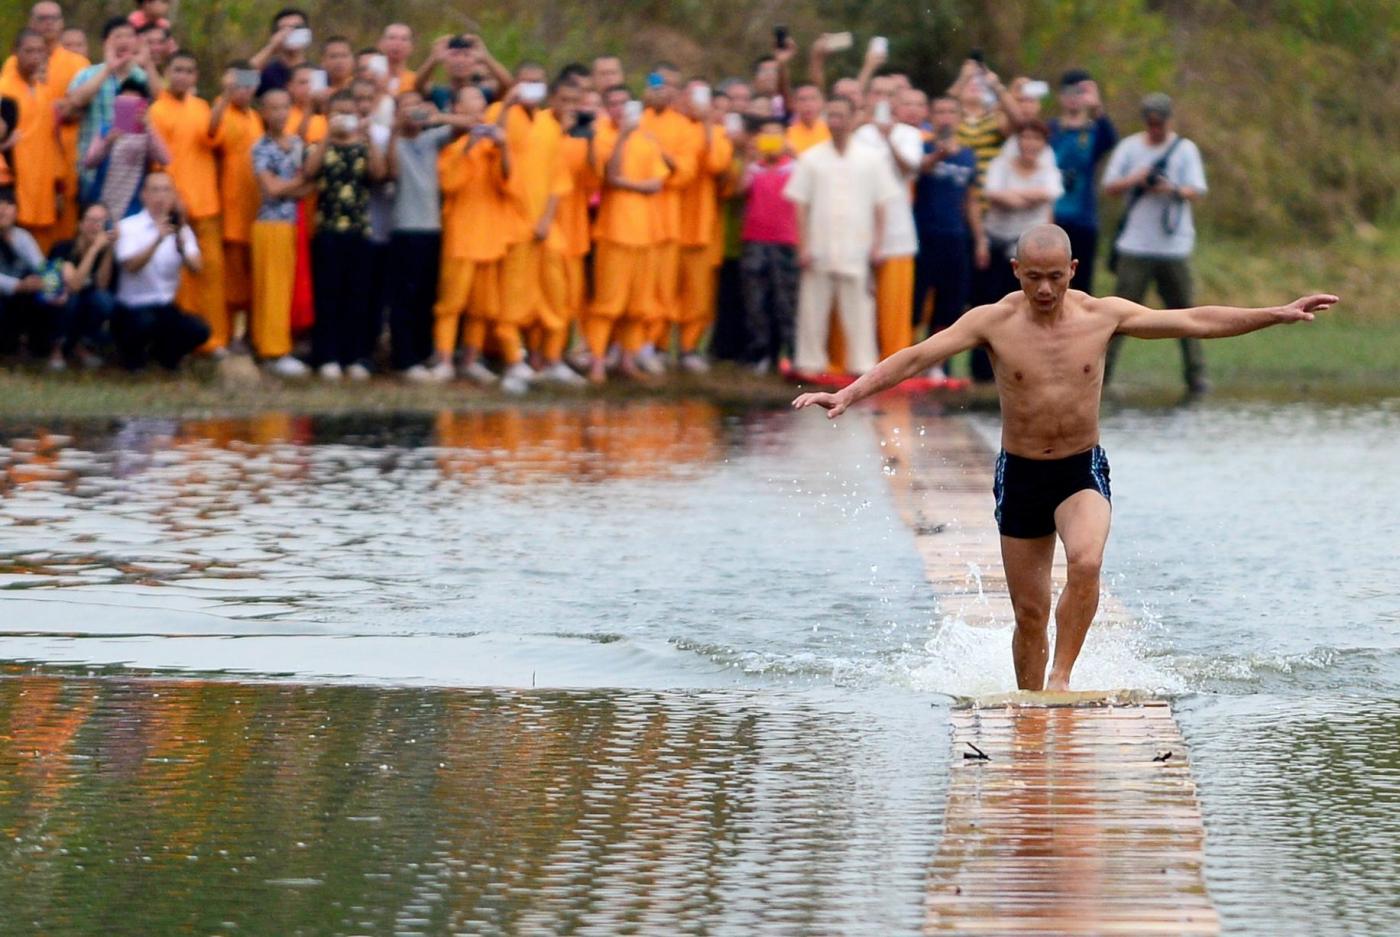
pixel 205 391
pixel 1350 353
pixel 1353 348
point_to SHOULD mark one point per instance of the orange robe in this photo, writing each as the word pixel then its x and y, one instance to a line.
pixel 37 157
pixel 63 66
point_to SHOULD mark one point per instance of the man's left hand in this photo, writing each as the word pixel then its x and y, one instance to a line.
pixel 1305 309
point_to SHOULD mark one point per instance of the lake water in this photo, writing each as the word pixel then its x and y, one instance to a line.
pixel 641 667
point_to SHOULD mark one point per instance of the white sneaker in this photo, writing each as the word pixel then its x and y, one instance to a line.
pixel 613 358
pixel 515 386
pixel 417 374
pixel 330 371
pixel 521 371
pixel 477 373
pixel 287 366
pixel 650 362
pixel 357 372
pixel 695 363
pixel 57 365
pixel 561 373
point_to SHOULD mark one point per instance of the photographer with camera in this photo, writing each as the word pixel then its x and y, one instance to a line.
pixel 154 248
pixel 1160 174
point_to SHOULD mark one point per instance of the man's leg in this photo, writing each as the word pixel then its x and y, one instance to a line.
pixel 813 321
pixel 1027 564
pixel 1082 521
pixel 1175 284
pixel 894 305
pixel 858 322
pixel 1134 276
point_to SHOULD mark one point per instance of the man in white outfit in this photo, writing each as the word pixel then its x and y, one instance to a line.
pixel 891 133
pixel 841 190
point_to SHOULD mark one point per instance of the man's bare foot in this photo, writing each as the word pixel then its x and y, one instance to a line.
pixel 597 372
pixel 1056 684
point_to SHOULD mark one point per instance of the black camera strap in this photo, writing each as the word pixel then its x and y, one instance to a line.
pixel 1159 166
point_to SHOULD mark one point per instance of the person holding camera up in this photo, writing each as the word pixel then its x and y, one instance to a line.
pixel 154 248
pixel 1082 136
pixel 1160 174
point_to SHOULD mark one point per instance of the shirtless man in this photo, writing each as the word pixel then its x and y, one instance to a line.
pixel 1047 344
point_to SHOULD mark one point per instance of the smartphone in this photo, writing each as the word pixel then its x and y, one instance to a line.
pixel 127 111
pixel 420 115
pixel 247 77
pixel 1035 89
pixel 533 92
pixel 977 56
pixel 838 42
pixel 584 118
pixel 632 114
pixel 947 133
pixel 884 114
pixel 733 124
pixel 701 96
pixel 378 64
pixel 298 38
pixel 879 45
pixel 780 37
pixel 320 81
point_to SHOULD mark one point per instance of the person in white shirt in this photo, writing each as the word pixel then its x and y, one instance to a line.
pixel 901 145
pixel 1021 191
pixel 841 190
pixel 153 248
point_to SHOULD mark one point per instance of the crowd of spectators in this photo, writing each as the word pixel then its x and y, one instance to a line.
pixel 335 212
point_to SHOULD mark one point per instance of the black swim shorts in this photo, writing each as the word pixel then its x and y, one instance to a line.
pixel 1029 490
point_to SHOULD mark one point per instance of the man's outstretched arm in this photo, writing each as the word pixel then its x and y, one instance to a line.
pixel 1212 321
pixel 964 334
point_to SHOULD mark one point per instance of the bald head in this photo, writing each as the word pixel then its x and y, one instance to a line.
pixel 1045 244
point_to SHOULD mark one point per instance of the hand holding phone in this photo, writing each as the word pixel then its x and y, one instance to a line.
pixel 837 42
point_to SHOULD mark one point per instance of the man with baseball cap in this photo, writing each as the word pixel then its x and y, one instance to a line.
pixel 1160 175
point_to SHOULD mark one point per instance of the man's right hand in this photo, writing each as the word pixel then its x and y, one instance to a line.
pixel 833 404
pixel 30 284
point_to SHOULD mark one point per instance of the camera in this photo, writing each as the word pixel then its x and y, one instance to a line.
pixel 780 37
pixel 1154 177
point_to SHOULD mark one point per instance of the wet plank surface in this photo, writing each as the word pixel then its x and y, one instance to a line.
pixel 1082 819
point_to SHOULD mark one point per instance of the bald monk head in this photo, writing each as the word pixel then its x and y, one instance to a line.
pixel 1044 264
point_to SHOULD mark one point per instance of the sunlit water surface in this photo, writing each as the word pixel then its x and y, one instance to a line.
pixel 641 668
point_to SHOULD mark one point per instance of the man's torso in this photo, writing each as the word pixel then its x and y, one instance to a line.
pixel 1049 375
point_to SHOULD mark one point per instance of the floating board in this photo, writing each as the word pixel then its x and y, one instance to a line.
pixel 1069 813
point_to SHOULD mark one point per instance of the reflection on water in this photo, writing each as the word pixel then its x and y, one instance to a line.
pixel 163 807
pixel 1300 798
pixel 757 750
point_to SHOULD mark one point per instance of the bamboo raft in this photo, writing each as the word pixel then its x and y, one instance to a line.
pixel 1067 813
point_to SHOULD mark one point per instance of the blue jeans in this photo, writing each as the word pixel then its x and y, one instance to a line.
pixel 83 319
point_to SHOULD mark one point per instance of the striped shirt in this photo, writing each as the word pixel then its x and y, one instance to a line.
pixel 983 136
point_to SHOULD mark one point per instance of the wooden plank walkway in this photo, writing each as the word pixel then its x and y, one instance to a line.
pixel 1082 820
pixel 1082 817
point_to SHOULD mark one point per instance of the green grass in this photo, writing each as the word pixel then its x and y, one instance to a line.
pixel 203 391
